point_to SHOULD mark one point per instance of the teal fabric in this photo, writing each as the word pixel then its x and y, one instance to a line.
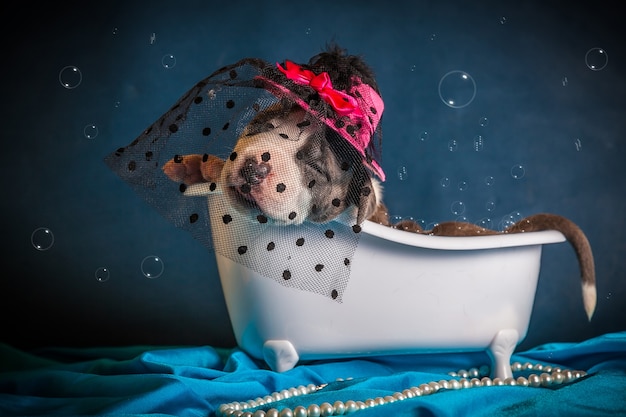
pixel 194 381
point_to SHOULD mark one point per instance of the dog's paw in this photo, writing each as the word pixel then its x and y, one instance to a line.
pixel 193 169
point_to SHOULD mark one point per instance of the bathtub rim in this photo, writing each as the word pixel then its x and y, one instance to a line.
pixel 462 242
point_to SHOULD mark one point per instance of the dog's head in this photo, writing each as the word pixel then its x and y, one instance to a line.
pixel 293 169
pixel 310 155
pixel 288 167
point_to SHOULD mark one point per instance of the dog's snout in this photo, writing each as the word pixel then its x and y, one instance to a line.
pixel 253 172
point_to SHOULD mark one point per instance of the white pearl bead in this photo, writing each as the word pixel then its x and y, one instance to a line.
pixel 454 384
pixel 475 383
pixel 398 396
pixel 473 372
pixel 486 381
pixel 314 410
pixel 546 379
pixel 272 412
pixel 259 413
pixel 285 412
pixel 326 409
pixel 522 381
pixel 444 384
pixel 516 366
pixel 435 386
pixel 339 407
pixel 351 406
pixel 387 399
pixel 557 378
pixel 299 411
pixel 247 414
pixel 370 402
pixel 534 380
pixel 510 381
pixel 426 389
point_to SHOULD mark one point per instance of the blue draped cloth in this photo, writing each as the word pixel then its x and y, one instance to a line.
pixel 195 381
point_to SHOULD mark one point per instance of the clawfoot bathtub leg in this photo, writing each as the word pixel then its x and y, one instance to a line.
pixel 280 355
pixel 500 351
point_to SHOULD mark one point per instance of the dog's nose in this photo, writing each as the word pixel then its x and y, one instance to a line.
pixel 254 172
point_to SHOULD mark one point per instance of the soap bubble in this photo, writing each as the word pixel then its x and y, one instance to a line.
pixel 168 61
pixel 510 219
pixel 102 274
pixel 395 219
pixel 42 238
pixel 70 77
pixel 445 182
pixel 152 38
pixel 307 31
pixel 489 180
pixel 518 172
pixel 152 266
pixel 402 173
pixel 564 81
pixel 490 205
pixel 453 145
pixel 578 144
pixel 458 208
pixel 90 131
pixel 478 143
pixel 596 59
pixel 463 185
pixel 457 89
pixel 502 20
pixel 423 136
pixel 483 121
pixel 485 223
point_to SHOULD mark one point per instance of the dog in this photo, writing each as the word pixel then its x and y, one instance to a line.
pixel 294 169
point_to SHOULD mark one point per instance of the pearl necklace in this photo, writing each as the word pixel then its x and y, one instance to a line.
pixel 473 378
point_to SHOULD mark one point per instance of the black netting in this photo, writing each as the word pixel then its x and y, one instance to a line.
pixel 283 158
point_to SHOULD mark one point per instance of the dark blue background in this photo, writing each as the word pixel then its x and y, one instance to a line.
pixel 546 111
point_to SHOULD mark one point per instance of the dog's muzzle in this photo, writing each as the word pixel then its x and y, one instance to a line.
pixel 253 173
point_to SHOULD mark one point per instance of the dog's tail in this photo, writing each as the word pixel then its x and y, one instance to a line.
pixel 579 242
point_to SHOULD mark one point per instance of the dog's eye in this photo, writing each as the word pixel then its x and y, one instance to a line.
pixel 319 169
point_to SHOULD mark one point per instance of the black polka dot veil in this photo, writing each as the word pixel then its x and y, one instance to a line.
pixel 251 97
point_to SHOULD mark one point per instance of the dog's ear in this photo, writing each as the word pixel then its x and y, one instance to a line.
pixel 193 169
pixel 365 196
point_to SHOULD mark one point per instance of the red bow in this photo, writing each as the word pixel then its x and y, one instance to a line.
pixel 343 103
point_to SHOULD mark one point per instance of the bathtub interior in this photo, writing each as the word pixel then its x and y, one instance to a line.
pixel 542 133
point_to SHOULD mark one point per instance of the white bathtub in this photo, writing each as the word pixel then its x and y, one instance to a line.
pixel 407 293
